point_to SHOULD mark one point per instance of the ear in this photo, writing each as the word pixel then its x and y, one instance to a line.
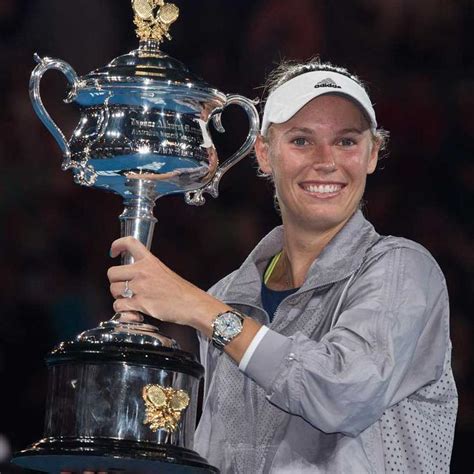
pixel 262 151
pixel 374 157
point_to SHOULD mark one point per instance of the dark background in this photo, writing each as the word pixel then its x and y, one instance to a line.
pixel 416 56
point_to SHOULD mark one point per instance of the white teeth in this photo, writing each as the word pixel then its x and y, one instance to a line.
pixel 323 188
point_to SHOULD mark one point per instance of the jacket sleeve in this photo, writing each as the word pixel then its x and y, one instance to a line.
pixel 208 354
pixel 390 339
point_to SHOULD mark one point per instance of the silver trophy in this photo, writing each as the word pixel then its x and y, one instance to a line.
pixel 123 396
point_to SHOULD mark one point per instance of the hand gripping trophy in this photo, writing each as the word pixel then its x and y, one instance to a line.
pixel 123 396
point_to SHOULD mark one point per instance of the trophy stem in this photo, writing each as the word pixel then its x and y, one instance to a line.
pixel 137 219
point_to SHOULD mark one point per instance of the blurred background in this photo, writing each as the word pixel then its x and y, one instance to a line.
pixel 415 55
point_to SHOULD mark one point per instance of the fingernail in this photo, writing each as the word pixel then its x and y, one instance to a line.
pixel 110 254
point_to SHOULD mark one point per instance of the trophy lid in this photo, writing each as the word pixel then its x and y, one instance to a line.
pixel 148 67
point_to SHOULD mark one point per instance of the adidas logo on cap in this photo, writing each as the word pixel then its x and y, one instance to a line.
pixel 328 82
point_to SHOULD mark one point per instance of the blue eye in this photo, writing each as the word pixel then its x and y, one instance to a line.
pixel 345 141
pixel 300 141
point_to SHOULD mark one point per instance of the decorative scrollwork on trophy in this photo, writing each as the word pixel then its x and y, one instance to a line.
pixel 153 19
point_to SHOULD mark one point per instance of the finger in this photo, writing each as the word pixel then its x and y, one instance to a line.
pixel 121 273
pixel 125 305
pixel 131 245
pixel 131 317
pixel 117 289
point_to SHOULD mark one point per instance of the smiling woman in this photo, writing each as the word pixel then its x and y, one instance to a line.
pixel 328 350
pixel 319 160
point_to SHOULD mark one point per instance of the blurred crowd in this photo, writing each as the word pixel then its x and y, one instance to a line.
pixel 416 57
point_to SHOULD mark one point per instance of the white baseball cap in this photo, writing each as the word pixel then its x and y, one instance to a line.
pixel 294 94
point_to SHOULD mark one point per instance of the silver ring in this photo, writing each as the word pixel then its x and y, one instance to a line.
pixel 127 291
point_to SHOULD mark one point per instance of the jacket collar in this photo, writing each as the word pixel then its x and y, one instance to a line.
pixel 341 257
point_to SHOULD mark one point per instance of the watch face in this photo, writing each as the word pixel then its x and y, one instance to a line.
pixel 228 325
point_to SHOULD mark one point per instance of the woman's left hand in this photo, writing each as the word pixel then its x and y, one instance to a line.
pixel 159 292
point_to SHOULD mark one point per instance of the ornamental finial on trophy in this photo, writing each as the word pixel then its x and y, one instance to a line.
pixel 153 19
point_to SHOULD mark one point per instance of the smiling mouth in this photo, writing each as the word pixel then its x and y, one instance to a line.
pixel 322 189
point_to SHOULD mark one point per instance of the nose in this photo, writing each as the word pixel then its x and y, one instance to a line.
pixel 323 159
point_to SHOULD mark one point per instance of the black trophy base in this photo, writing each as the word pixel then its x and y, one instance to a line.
pixel 112 456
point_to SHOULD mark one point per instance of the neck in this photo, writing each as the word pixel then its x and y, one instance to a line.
pixel 300 249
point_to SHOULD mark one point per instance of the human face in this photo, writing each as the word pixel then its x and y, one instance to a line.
pixel 319 161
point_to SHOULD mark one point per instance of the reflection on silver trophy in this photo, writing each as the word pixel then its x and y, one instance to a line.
pixel 123 396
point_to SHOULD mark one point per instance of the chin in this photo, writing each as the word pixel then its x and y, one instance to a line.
pixel 322 220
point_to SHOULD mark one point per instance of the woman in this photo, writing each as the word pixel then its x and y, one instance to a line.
pixel 328 349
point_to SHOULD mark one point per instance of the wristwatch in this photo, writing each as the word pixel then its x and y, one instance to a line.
pixel 226 327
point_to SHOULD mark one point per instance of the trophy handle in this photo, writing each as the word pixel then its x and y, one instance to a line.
pixel 45 64
pixel 196 198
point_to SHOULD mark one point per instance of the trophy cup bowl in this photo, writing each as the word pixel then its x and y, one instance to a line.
pixel 122 396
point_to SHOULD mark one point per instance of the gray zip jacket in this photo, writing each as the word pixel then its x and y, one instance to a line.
pixel 354 375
